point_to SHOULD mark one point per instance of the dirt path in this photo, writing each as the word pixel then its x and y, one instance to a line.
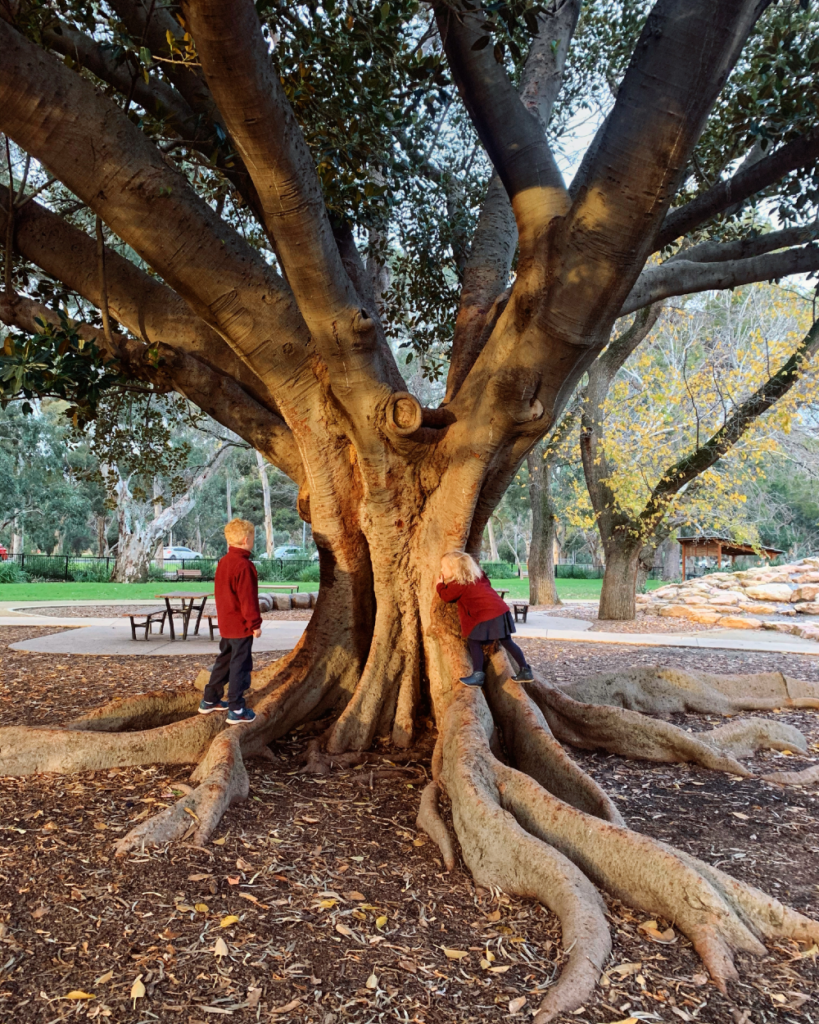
pixel 332 908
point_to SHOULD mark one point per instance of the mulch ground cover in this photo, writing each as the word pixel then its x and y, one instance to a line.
pixel 319 901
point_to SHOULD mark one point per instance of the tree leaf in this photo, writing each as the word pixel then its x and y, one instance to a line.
pixel 220 947
pixel 481 43
pixel 517 1004
pixel 380 921
pixel 226 922
pixel 454 954
pixel 371 982
pixel 78 995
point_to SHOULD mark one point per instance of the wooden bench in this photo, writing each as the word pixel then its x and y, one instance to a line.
pixel 189 574
pixel 280 588
pixel 150 616
pixel 213 625
pixel 520 609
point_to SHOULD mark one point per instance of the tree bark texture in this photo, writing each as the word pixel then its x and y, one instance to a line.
pixel 295 361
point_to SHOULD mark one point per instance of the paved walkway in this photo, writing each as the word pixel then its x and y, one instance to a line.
pixel 112 636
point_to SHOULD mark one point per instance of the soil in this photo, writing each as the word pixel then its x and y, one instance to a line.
pixel 318 901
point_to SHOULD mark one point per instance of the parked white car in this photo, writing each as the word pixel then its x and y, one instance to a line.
pixel 179 553
pixel 289 551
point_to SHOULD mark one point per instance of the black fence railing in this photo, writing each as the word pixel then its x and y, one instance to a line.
pixel 64 567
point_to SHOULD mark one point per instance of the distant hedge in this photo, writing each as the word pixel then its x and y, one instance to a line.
pixel 499 570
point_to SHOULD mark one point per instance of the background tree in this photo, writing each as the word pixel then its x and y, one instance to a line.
pixel 232 176
pixel 671 429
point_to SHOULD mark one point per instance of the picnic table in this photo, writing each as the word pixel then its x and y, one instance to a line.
pixel 502 593
pixel 284 588
pixel 189 602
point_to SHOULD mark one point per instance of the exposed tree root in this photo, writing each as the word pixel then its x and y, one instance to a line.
pixel 744 737
pixel 663 691
pixel 533 749
pixel 625 732
pixel 429 819
pixel 222 781
pixel 804 778
pixel 499 852
pixel 145 711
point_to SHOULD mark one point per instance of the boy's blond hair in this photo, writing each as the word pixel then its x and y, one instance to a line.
pixel 463 567
pixel 239 530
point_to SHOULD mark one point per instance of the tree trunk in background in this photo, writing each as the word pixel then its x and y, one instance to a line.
pixel 159 557
pixel 268 517
pixel 227 498
pixel 669 552
pixel 101 545
pixel 493 546
pixel 198 537
pixel 645 563
pixel 617 599
pixel 542 587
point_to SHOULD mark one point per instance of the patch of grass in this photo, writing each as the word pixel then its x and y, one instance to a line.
pixel 568 590
pixel 104 591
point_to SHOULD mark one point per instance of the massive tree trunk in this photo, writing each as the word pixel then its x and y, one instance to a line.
pixel 300 368
pixel 542 588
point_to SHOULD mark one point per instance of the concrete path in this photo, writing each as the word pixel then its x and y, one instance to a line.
pixel 112 636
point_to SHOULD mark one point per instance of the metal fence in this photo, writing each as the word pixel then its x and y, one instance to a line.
pixel 91 569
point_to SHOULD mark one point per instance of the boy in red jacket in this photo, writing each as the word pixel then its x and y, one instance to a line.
pixel 237 606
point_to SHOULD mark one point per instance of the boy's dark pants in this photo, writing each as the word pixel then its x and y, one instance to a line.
pixel 234 663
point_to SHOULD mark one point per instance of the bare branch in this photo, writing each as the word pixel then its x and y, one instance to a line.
pixel 748 181
pixel 683 277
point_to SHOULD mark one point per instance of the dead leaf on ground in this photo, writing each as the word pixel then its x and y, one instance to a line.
pixel 78 995
pixel 137 990
pixel 287 1009
pixel 516 1005
pixel 220 948
pixel 226 922
pixel 454 954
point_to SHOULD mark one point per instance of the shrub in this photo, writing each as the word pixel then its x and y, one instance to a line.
pixel 578 572
pixel 90 572
pixel 10 572
pixel 499 570
pixel 310 575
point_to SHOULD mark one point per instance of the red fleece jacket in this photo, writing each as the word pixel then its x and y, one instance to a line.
pixel 477 602
pixel 236 589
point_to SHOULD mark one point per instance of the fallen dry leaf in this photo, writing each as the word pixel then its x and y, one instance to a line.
pixel 342 929
pixel 220 948
pixel 137 990
pixel 371 982
pixel 625 970
pixel 201 908
pixel 219 842
pixel 515 1005
pixel 104 978
pixel 226 922
pixel 78 995
pixel 243 865
pixel 200 877
pixel 356 896
pixel 286 1009
pixel 454 954
pixel 253 997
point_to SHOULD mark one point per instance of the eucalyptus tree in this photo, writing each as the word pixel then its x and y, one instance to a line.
pixel 235 154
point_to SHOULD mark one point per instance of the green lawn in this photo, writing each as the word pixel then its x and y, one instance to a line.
pixel 569 590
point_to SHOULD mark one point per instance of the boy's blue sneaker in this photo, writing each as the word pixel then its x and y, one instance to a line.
pixel 206 707
pixel 239 717
pixel 476 679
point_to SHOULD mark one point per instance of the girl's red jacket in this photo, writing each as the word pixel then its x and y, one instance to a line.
pixel 236 589
pixel 477 602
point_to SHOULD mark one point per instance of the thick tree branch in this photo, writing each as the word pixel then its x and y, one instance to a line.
pixel 247 89
pixel 691 466
pixel 214 393
pixel 511 133
pixel 148 308
pixel 683 277
pixel 743 248
pixel 155 96
pixel 487 269
pixel 748 181
pixel 52 113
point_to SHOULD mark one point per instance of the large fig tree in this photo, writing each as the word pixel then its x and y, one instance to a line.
pixel 224 264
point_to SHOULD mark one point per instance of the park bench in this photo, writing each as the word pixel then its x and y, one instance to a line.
pixel 148 617
pixel 520 608
pixel 188 574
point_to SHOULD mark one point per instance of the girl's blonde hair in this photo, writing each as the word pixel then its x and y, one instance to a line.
pixel 463 567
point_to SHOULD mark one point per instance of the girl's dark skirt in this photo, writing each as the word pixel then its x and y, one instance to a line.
pixel 493 629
